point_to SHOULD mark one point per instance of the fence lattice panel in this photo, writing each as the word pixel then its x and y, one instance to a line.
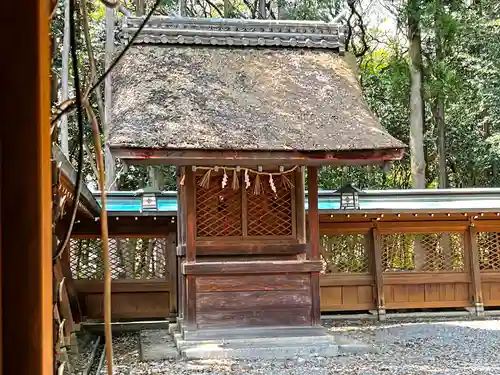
pixel 218 210
pixel 345 253
pixel 130 258
pixel 433 252
pixel 488 246
pixel 270 213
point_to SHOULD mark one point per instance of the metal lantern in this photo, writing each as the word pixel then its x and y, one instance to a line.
pixel 149 202
pixel 349 197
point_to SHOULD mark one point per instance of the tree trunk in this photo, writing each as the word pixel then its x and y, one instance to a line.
pixel 262 9
pixel 183 8
pixel 416 100
pixel 139 8
pixel 108 157
pixel 439 99
pixel 65 81
pixel 227 8
pixel 123 176
pixel 155 178
pixel 417 157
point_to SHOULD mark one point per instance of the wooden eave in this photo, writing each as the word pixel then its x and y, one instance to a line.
pixel 87 205
pixel 253 158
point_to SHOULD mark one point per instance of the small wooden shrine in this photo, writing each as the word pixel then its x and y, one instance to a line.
pixel 243 108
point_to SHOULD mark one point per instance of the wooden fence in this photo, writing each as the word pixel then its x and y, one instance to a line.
pixel 143 272
pixel 410 265
pixel 367 266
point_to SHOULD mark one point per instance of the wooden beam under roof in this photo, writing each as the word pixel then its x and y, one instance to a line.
pixel 252 158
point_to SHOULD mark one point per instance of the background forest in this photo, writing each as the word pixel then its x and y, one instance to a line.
pixel 430 70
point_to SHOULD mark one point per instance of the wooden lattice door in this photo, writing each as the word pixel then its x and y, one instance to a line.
pixel 235 211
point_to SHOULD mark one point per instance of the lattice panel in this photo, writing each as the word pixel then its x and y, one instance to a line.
pixel 488 247
pixel 130 258
pixel 345 253
pixel 218 210
pixel 269 213
pixel 423 252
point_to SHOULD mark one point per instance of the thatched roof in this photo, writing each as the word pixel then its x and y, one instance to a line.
pixel 241 98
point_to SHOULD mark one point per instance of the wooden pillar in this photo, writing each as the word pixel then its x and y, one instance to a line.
pixel 471 248
pixel 26 217
pixel 300 205
pixel 190 206
pixel 376 250
pixel 172 270
pixel 181 240
pixel 313 220
pixel 313 214
pixel 190 200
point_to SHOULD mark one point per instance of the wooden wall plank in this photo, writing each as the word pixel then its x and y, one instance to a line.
pixel 292 316
pixel 129 305
pixel 422 226
pixel 336 228
pixel 127 226
pixel 416 293
pixel 123 286
pixel 330 296
pixel 251 248
pixel 346 279
pixel 249 267
pixel 491 294
pixel 427 305
pixel 252 283
pixel 255 300
pixel 400 278
pixel 241 258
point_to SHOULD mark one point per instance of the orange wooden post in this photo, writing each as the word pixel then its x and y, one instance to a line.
pixel 300 205
pixel 376 251
pixel 313 219
pixel 26 251
pixel 190 200
pixel 471 248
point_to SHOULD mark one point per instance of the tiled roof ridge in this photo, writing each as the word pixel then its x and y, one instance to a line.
pixel 237 32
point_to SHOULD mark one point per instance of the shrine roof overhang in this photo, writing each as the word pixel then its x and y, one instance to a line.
pixel 129 203
pixel 200 91
pixel 87 205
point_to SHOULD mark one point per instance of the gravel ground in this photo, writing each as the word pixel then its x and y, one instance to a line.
pixel 435 347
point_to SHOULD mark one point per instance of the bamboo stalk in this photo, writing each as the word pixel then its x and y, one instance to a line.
pixel 105 240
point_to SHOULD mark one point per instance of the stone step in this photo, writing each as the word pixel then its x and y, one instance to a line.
pixel 165 344
pixel 260 332
pixel 268 341
pixel 260 352
pixel 157 345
